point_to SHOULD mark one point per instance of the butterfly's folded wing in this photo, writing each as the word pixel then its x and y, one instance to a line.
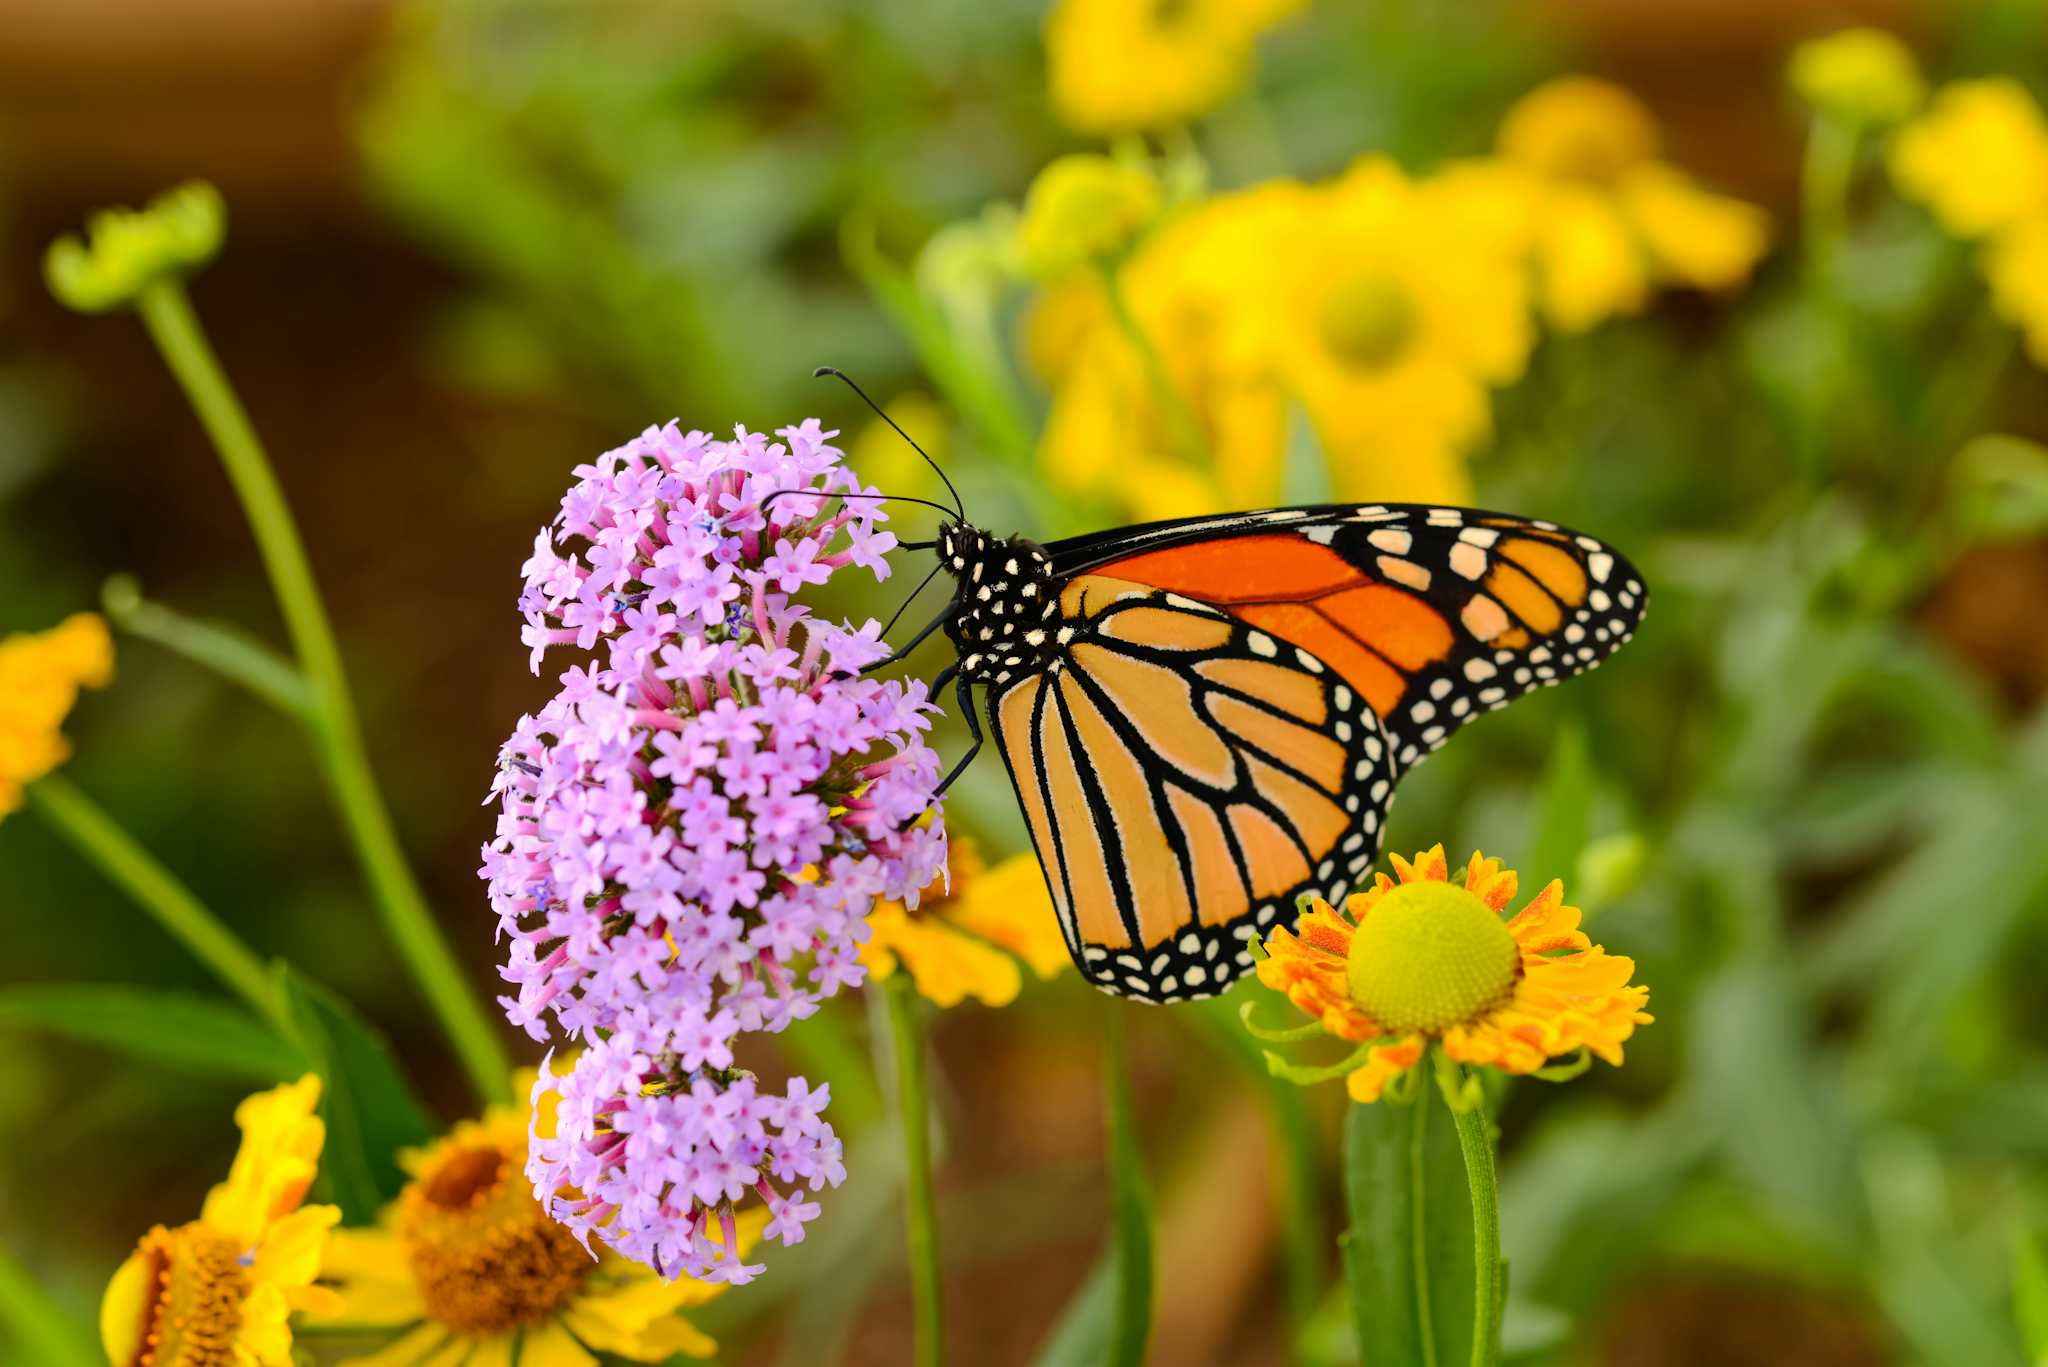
pixel 1186 776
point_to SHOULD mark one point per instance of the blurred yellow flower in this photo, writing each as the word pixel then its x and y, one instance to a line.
pixel 1107 435
pixel 220 1290
pixel 1978 157
pixel 1431 958
pixel 1383 320
pixel 888 462
pixel 40 676
pixel 467 1263
pixel 1117 66
pixel 1860 75
pixel 1085 207
pixel 953 944
pixel 1389 324
pixel 1602 219
pixel 2015 264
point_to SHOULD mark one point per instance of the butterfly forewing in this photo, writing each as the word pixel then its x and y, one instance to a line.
pixel 1186 775
pixel 1433 614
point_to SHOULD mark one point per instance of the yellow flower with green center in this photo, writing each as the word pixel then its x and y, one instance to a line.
pixel 959 941
pixel 1426 956
pixel 1354 301
pixel 1601 219
pixel 41 674
pixel 1119 66
pixel 1978 157
pixel 1389 324
pixel 219 1291
pixel 1860 75
pixel 470 1269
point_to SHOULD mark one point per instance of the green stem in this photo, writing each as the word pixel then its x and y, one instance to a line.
pixel 1183 428
pixel 157 890
pixel 40 1330
pixel 920 1206
pixel 337 739
pixel 1824 181
pixel 1475 1141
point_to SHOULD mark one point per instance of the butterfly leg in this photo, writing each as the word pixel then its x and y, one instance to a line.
pixel 964 691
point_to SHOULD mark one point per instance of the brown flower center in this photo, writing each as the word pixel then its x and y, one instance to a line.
pixel 486 1257
pixel 194 1307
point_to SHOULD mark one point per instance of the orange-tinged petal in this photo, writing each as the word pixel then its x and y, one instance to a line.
pixel 280 1152
pixel 1383 1064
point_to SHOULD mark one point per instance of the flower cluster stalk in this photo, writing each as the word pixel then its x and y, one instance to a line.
pixel 920 1205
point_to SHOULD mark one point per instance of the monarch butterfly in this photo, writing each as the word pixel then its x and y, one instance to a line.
pixel 1206 718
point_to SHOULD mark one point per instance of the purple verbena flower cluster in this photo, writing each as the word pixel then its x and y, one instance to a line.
pixel 692 832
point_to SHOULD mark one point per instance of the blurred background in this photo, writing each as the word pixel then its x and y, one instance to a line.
pixel 473 244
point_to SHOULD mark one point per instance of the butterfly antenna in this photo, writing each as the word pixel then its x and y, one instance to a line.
pixel 904 606
pixel 959 508
pixel 892 498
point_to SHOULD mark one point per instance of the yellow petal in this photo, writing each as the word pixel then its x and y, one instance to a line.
pixel 124 1308
pixel 264 1334
pixel 410 1349
pixel 493 1352
pixel 281 1140
pixel 1590 268
pixel 947 966
pixel 1707 241
pixel 649 1342
pixel 552 1346
pixel 1011 906
pixel 372 1278
pixel 290 1252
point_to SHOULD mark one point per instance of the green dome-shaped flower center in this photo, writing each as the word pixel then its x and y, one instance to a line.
pixel 1429 955
pixel 1368 319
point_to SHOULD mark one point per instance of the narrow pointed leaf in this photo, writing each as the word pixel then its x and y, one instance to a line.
pixel 179 1030
pixel 370 1110
pixel 1408 1252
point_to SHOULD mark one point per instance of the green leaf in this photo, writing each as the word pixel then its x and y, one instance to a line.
pixel 1109 1320
pixel 193 1034
pixel 1408 1253
pixel 2030 1296
pixel 1564 815
pixel 370 1110
pixel 225 649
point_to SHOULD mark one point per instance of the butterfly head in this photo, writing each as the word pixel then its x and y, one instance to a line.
pixel 1006 605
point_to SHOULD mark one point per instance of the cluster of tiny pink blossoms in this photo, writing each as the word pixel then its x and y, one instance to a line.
pixel 692 831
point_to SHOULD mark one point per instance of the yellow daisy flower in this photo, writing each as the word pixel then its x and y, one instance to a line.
pixel 1386 321
pixel 40 676
pixel 221 1289
pixel 1604 220
pixel 953 944
pixel 472 1270
pixel 1431 958
pixel 1978 157
pixel 1117 66
pixel 1389 324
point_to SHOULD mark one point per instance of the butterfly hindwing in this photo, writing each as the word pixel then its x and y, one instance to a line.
pixel 1186 775
pixel 1434 614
